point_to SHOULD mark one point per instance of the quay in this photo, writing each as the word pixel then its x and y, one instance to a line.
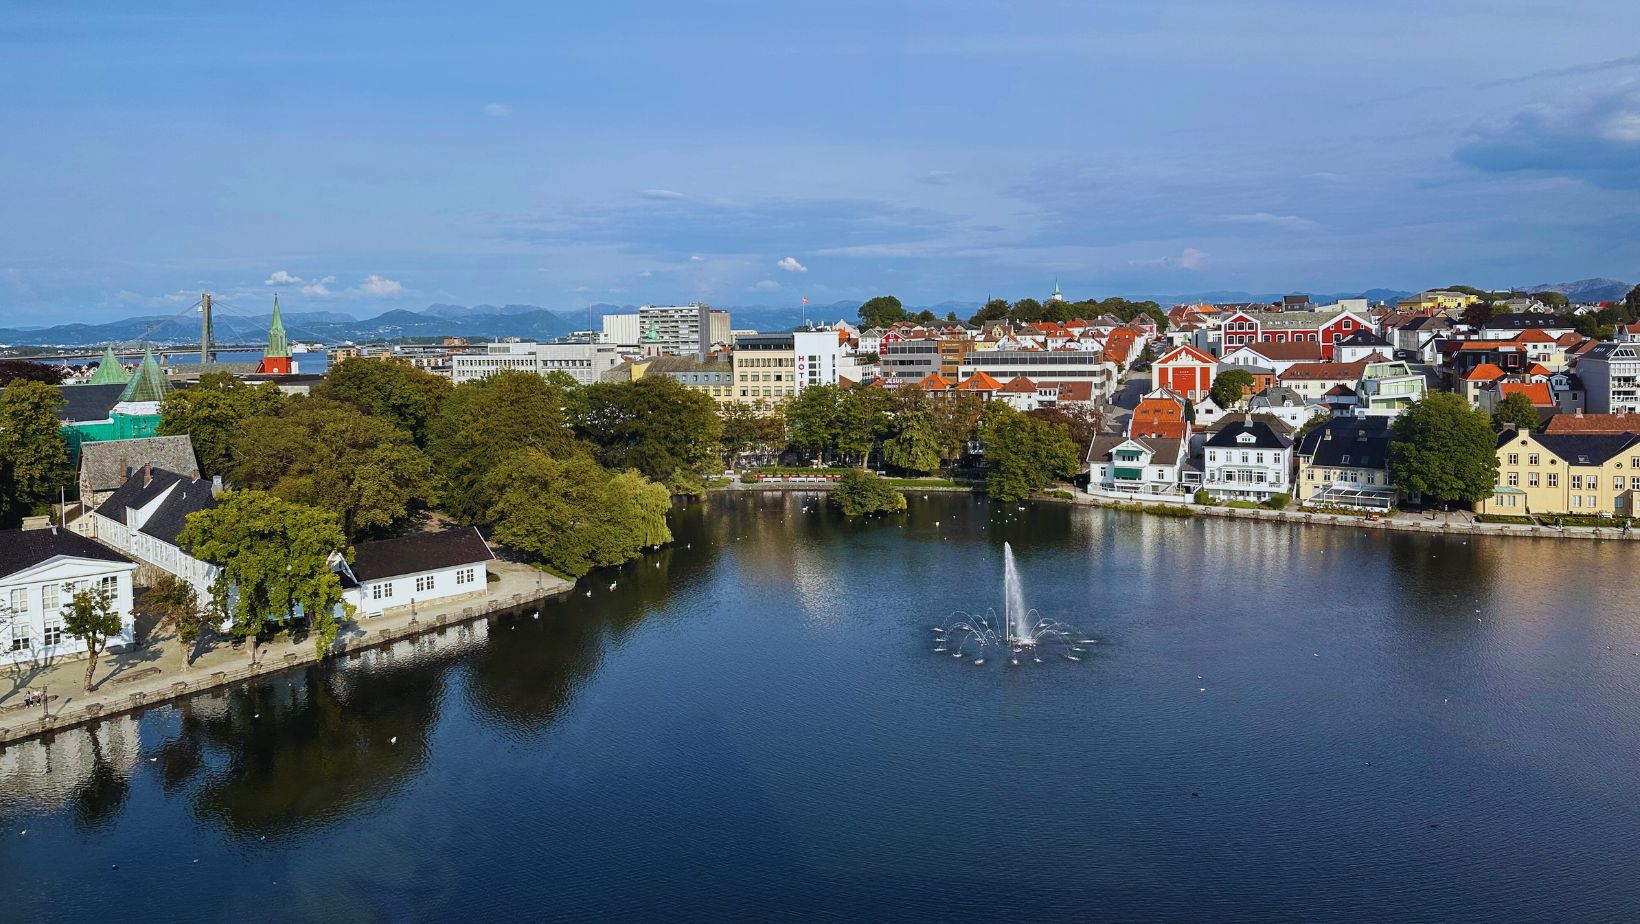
pixel 139 676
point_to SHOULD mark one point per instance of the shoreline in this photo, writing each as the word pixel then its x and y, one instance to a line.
pixel 120 693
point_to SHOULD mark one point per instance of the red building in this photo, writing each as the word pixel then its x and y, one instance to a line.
pixel 1324 327
pixel 1186 371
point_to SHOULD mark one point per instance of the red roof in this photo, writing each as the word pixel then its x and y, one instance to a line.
pixel 1296 351
pixel 1533 335
pixel 1076 391
pixel 1186 353
pixel 933 381
pixel 1593 423
pixel 1485 372
pixel 1537 391
pixel 1323 372
pixel 980 381
pixel 1019 385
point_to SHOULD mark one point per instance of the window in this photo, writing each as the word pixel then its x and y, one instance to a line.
pixel 109 585
pixel 1531 479
pixel 1577 482
pixel 1617 482
pixel 1514 479
pixel 19 600
pixel 1310 474
pixel 54 633
pixel 1577 500
pixel 19 635
pixel 467 576
pixel 1592 501
pixel 50 597
pixel 1554 479
pixel 1531 458
pixel 1634 483
pixel 425 582
pixel 1372 478
pixel 382 590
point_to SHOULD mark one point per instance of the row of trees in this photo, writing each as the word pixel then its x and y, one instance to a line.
pixel 886 310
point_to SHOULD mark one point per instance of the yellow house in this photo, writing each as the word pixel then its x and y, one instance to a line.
pixel 1437 300
pixel 1565 473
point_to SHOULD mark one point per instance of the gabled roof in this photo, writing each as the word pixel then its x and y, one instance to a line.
pixel 1322 372
pixel 1365 440
pixel 933 381
pixel 182 495
pixel 414 554
pixel 1537 391
pixel 1593 423
pixel 103 463
pixel 1291 352
pixel 1587 448
pixel 1533 335
pixel 1186 352
pixel 1363 338
pixel 979 381
pixel 87 402
pixel 1019 385
pixel 21 549
pixel 1226 432
pixel 1075 391
pixel 1485 372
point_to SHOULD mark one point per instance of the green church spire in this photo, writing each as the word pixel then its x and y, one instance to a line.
pixel 148 384
pixel 278 343
pixel 109 371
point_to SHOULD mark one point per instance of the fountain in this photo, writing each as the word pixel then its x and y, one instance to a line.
pixel 1022 632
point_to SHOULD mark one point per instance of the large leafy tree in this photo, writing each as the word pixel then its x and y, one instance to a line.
pixel 12 370
pixel 1516 410
pixel 881 311
pixel 33 450
pixel 739 429
pixel 481 423
pixel 864 418
pixel 814 419
pixel 955 419
pixel 1230 386
pixel 572 514
pixel 1081 420
pixel 210 414
pixel 394 391
pixel 655 425
pixel 274 556
pixel 333 456
pixel 1444 449
pixel 863 493
pixel 1024 454
pixel 92 617
pixel 916 447
pixel 176 607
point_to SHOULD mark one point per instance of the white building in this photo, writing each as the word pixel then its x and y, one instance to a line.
pixel 819 356
pixel 585 362
pixel 1611 377
pixel 1247 459
pixel 676 330
pixel 416 569
pixel 1045 367
pixel 144 515
pixel 40 572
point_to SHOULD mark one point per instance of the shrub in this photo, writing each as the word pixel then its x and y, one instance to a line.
pixel 1203 497
pixel 862 493
pixel 1241 505
pixel 749 478
pixel 1278 501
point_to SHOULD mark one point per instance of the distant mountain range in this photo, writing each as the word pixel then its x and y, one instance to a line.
pixel 1585 290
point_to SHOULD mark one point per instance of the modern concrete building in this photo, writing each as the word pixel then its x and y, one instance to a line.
pixel 775 367
pixel 1611 376
pixel 1044 367
pixel 585 362
pixel 907 361
pixel 676 330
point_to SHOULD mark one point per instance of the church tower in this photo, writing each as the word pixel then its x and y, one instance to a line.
pixel 276 358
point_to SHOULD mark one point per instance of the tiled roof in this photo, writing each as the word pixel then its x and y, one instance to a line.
pixel 103 463
pixel 1593 423
pixel 1186 353
pixel 1076 391
pixel 1323 372
pixel 386 558
pixel 1295 352
pixel 1485 372
pixel 1537 391
pixel 979 381
pixel 24 548
pixel 1019 385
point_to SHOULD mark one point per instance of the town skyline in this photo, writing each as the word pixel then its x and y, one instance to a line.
pixel 589 157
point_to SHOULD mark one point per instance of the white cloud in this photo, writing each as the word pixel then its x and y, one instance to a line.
pixel 498 110
pixel 661 194
pixel 319 287
pixel 1289 222
pixel 377 285
pixel 282 278
pixel 645 274
pixel 696 258
pixel 790 265
pixel 1189 259
pixel 767 285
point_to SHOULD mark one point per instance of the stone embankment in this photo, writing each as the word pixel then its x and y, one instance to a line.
pixel 135 678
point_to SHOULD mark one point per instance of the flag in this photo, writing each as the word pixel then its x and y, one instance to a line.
pixel 805 299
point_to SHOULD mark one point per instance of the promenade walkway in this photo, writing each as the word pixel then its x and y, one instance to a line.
pixel 158 671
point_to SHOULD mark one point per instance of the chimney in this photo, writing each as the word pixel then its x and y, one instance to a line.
pixel 1326 434
pixel 124 470
pixel 147 474
pixel 216 485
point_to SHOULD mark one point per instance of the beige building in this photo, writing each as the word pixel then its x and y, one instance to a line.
pixel 1565 473
pixel 713 377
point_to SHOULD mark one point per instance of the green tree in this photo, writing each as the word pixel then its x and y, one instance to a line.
pixel 484 421
pixel 394 391
pixel 274 556
pixel 738 425
pixel 1478 313
pixel 994 310
pixel 863 419
pixel 176 607
pixel 955 419
pixel 92 618
pixel 210 414
pixel 12 370
pixel 814 420
pixel 1230 386
pixel 1027 310
pixel 916 447
pixel 862 493
pixel 1024 454
pixel 1444 449
pixel 572 514
pixel 1553 299
pixel 1631 302
pixel 656 425
pixel 333 456
pixel 882 311
pixel 1516 410
pixel 33 450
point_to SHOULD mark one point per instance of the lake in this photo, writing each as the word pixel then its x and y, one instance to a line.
pixel 1275 722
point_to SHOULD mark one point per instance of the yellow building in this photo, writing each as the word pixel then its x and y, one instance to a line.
pixel 1543 474
pixel 713 377
pixel 1437 300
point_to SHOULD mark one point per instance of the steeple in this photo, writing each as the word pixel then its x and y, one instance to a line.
pixel 109 371
pixel 147 384
pixel 1056 296
pixel 278 343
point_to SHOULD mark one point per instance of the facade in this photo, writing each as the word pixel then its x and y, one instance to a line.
pixel 713 377
pixel 1611 376
pixel 584 362
pixel 819 355
pixel 1186 371
pixel 1247 459
pixel 417 569
pixel 1345 463
pixel 1589 474
pixel 1388 388
pixel 1141 465
pixel 1045 367
pixel 903 361
pixel 40 572
pixel 674 330
pixel 143 517
pixel 1437 300
pixel 1323 327
pixel 1313 380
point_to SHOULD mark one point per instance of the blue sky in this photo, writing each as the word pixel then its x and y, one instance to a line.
pixel 360 157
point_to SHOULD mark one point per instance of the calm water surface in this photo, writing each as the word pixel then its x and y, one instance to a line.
pixel 1278 723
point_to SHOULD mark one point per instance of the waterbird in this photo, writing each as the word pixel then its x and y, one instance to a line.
pixel 393 740
pixel 537 615
pixel 979 660
pixel 589 593
pixel 612 583
pixel 152 759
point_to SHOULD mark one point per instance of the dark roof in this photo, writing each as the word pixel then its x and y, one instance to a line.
pixel 1364 439
pixel 88 402
pixel 1264 435
pixel 101 462
pixel 1523 321
pixel 25 548
pixel 1363 338
pixel 1587 448
pixel 1432 322
pixel 189 495
pixel 387 558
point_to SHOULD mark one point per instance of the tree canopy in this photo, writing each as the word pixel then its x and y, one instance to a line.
pixel 881 311
pixel 1516 410
pixel 92 617
pixel 484 421
pixel 655 425
pixel 12 370
pixel 572 514
pixel 863 493
pixel 33 450
pixel 274 556
pixel 1024 454
pixel 335 457
pixel 210 414
pixel 390 390
pixel 1230 386
pixel 1444 449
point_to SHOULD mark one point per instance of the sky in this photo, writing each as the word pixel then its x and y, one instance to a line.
pixel 360 157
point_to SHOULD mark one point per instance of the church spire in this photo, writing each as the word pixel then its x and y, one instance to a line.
pixel 278 343
pixel 109 371
pixel 148 384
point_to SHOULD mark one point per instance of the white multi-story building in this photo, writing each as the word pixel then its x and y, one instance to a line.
pixel 1247 459
pixel 677 330
pixel 1611 378
pixel 775 367
pixel 143 517
pixel 40 572
pixel 585 362
pixel 1046 367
